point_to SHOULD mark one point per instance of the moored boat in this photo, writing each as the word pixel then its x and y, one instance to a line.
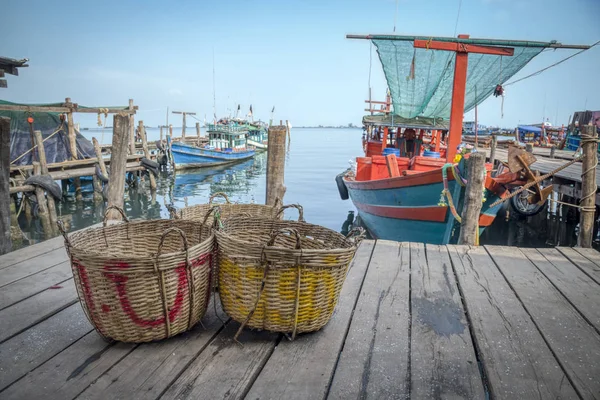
pixel 408 190
pixel 227 143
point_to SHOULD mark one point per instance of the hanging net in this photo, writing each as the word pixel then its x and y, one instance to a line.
pixel 420 80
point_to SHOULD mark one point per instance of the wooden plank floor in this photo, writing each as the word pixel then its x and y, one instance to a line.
pixel 413 321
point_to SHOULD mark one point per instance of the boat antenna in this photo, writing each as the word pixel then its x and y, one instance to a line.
pixel 457 17
pixel 214 91
pixel 395 16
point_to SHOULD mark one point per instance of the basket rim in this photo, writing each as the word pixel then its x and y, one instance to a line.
pixel 92 252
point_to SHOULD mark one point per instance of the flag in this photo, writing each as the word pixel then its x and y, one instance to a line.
pixel 273 110
pixel 239 107
pixel 250 109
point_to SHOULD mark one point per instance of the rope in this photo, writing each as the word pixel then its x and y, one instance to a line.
pixel 34 147
pixel 535 182
pixel 457 17
pixel 553 65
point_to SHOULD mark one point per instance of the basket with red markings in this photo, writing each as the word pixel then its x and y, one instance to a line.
pixel 143 280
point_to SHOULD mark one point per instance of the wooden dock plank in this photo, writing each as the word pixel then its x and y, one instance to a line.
pixel 590 268
pixel 515 358
pixel 224 370
pixel 443 362
pixel 575 342
pixel 374 360
pixel 29 252
pixel 312 357
pixel 34 284
pixel 590 254
pixel 152 367
pixel 577 287
pixel 34 309
pixel 32 266
pixel 68 373
pixel 35 346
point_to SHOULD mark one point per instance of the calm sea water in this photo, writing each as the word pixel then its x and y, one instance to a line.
pixel 314 158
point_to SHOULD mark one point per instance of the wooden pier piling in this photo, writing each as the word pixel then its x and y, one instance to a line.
pixel 493 150
pixel 589 138
pixel 131 129
pixel 42 204
pixel 41 151
pixel 118 163
pixel 473 196
pixel 5 200
pixel 146 153
pixel 276 164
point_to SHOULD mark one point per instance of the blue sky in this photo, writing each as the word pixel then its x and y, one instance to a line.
pixel 289 54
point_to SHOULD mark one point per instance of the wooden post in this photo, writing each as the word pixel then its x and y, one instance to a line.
pixel 552 151
pixel 44 170
pixel 198 129
pixel 161 133
pixel 99 157
pixel 42 205
pixel 275 164
pixel 473 197
pixel 183 128
pixel 146 153
pixel 493 150
pixel 169 141
pixel 458 102
pixel 97 189
pixel 5 200
pixel 131 129
pixel 588 185
pixel 72 134
pixel 118 163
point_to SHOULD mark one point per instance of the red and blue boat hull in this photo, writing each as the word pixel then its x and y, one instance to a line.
pixel 407 208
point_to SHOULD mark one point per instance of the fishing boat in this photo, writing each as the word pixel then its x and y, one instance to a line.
pixel 227 143
pixel 258 135
pixel 406 190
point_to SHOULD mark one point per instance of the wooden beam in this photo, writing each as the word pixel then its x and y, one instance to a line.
pixel 44 171
pixel 62 109
pixel 131 129
pixel 463 48
pixel 458 104
pixel 472 203
pixel 276 164
pixel 377 102
pixel 146 153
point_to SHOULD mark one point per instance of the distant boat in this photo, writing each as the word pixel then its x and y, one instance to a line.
pixel 227 143
pixel 258 135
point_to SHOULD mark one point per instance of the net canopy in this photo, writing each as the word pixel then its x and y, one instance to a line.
pixel 420 80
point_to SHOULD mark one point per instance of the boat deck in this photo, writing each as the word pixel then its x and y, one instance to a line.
pixel 413 321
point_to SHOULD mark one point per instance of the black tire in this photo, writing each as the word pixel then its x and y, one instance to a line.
pixel 342 189
pixel 521 206
pixel 46 183
pixel 151 166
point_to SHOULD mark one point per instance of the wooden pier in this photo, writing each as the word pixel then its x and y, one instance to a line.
pixel 413 321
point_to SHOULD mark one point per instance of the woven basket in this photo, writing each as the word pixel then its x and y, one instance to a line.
pixel 228 209
pixel 281 276
pixel 144 280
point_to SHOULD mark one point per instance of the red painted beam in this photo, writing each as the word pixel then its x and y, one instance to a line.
pixel 464 48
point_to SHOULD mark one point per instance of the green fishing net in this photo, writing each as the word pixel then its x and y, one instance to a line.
pixel 420 80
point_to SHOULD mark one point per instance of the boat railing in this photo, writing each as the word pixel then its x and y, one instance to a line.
pixel 227 128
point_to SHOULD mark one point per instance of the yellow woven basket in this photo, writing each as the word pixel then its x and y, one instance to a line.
pixel 228 209
pixel 281 276
pixel 144 280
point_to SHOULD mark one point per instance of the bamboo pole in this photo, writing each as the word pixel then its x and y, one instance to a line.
pixel 71 132
pixel 589 138
pixel 5 200
pixel 42 204
pixel 118 157
pixel 101 162
pixel 275 164
pixel 146 153
pixel 473 196
pixel 131 129
pixel 44 171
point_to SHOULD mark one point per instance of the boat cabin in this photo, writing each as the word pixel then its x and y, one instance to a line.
pixel 227 136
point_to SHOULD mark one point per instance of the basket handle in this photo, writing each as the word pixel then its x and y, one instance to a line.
pixel 63 231
pixel 172 211
pixel 356 234
pixel 119 209
pixel 283 231
pixel 297 207
pixel 183 238
pixel 219 194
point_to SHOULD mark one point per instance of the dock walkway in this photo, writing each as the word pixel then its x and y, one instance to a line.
pixel 413 321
